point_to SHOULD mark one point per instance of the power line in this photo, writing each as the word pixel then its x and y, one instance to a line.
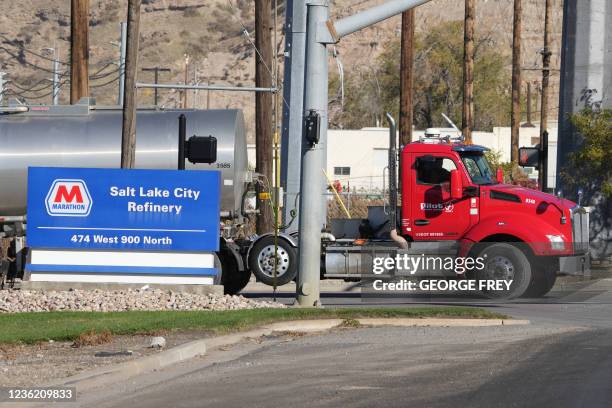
pixel 21 47
pixel 9 52
pixel 31 89
pixel 105 84
pixel 248 37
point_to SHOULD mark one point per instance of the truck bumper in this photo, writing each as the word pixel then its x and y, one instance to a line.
pixel 575 265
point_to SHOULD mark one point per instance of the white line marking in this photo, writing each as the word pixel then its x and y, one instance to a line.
pixel 120 229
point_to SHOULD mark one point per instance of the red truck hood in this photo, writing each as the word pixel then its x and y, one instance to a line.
pixel 538 196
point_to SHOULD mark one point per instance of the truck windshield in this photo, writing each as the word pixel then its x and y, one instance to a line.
pixel 478 168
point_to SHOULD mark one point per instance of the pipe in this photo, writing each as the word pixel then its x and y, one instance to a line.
pixel 327 236
pixel 366 18
pixel 206 87
pixel 331 185
pixel 181 142
pixel 401 241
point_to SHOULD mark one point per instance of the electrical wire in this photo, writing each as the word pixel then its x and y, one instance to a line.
pixel 245 32
pixel 31 89
pixel 42 56
pixel 9 52
pixel 105 84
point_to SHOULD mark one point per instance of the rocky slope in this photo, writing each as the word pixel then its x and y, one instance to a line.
pixel 211 32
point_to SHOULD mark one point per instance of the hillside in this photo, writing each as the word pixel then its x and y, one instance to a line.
pixel 210 31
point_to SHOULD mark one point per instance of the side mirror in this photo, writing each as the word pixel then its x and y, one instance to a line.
pixel 456 185
pixel 529 156
pixel 500 175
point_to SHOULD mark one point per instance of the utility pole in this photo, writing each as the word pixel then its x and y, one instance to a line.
pixel 55 79
pixel 56 84
pixel 406 77
pixel 263 113
pixel 516 81
pixel 156 71
pixel 529 99
pixel 79 50
pixel 128 134
pixel 546 54
pixel 186 80
pixel 467 116
pixel 2 82
pixel 122 53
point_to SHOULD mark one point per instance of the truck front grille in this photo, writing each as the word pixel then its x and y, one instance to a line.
pixel 580 229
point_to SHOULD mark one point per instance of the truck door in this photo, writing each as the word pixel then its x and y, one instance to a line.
pixel 435 216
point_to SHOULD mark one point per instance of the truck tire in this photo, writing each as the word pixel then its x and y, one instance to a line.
pixel 543 280
pixel 232 278
pixel 503 261
pixel 261 261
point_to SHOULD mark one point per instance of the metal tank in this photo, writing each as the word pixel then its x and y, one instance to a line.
pixel 77 136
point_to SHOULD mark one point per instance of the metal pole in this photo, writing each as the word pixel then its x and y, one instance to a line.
pixel 181 142
pixel 528 124
pixel 128 134
pixel 156 71
pixel 55 77
pixel 293 94
pixel 311 198
pixel 122 53
pixel 2 82
pixel 209 87
pixel 155 90
pixel 186 80
pixel 356 22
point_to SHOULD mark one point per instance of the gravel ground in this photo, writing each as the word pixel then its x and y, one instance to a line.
pixel 38 364
pixel 16 301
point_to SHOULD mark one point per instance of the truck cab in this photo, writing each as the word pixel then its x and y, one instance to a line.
pixel 453 204
pixel 451 194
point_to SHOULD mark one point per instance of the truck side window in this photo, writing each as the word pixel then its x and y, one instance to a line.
pixel 434 170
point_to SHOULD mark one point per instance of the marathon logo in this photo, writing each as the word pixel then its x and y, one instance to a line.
pixel 69 198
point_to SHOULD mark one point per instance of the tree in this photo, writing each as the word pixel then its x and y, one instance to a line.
pixel 590 169
pixel 594 158
pixel 372 90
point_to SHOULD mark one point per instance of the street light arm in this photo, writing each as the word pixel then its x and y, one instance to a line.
pixel 348 25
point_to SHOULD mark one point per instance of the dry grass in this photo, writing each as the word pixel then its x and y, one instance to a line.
pixel 350 323
pixel 358 207
pixel 93 338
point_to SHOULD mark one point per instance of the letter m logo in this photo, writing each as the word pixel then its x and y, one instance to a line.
pixel 68 198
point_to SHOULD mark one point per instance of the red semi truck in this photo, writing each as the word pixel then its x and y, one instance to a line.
pixel 453 204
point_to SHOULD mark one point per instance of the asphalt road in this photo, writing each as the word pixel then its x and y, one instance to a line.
pixel 563 359
pixel 533 366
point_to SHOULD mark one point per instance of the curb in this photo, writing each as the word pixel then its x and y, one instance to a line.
pixel 120 372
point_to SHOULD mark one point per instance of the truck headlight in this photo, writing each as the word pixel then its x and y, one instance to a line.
pixel 556 242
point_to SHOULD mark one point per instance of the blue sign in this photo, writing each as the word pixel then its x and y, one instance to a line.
pixel 156 210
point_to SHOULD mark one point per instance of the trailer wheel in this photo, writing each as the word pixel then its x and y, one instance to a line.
pixel 544 278
pixel 505 262
pixel 232 278
pixel 262 261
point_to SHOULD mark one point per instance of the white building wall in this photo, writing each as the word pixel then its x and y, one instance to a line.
pixel 365 152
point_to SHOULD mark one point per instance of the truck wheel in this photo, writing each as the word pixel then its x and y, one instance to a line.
pixel 544 278
pixel 232 278
pixel 261 261
pixel 505 262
